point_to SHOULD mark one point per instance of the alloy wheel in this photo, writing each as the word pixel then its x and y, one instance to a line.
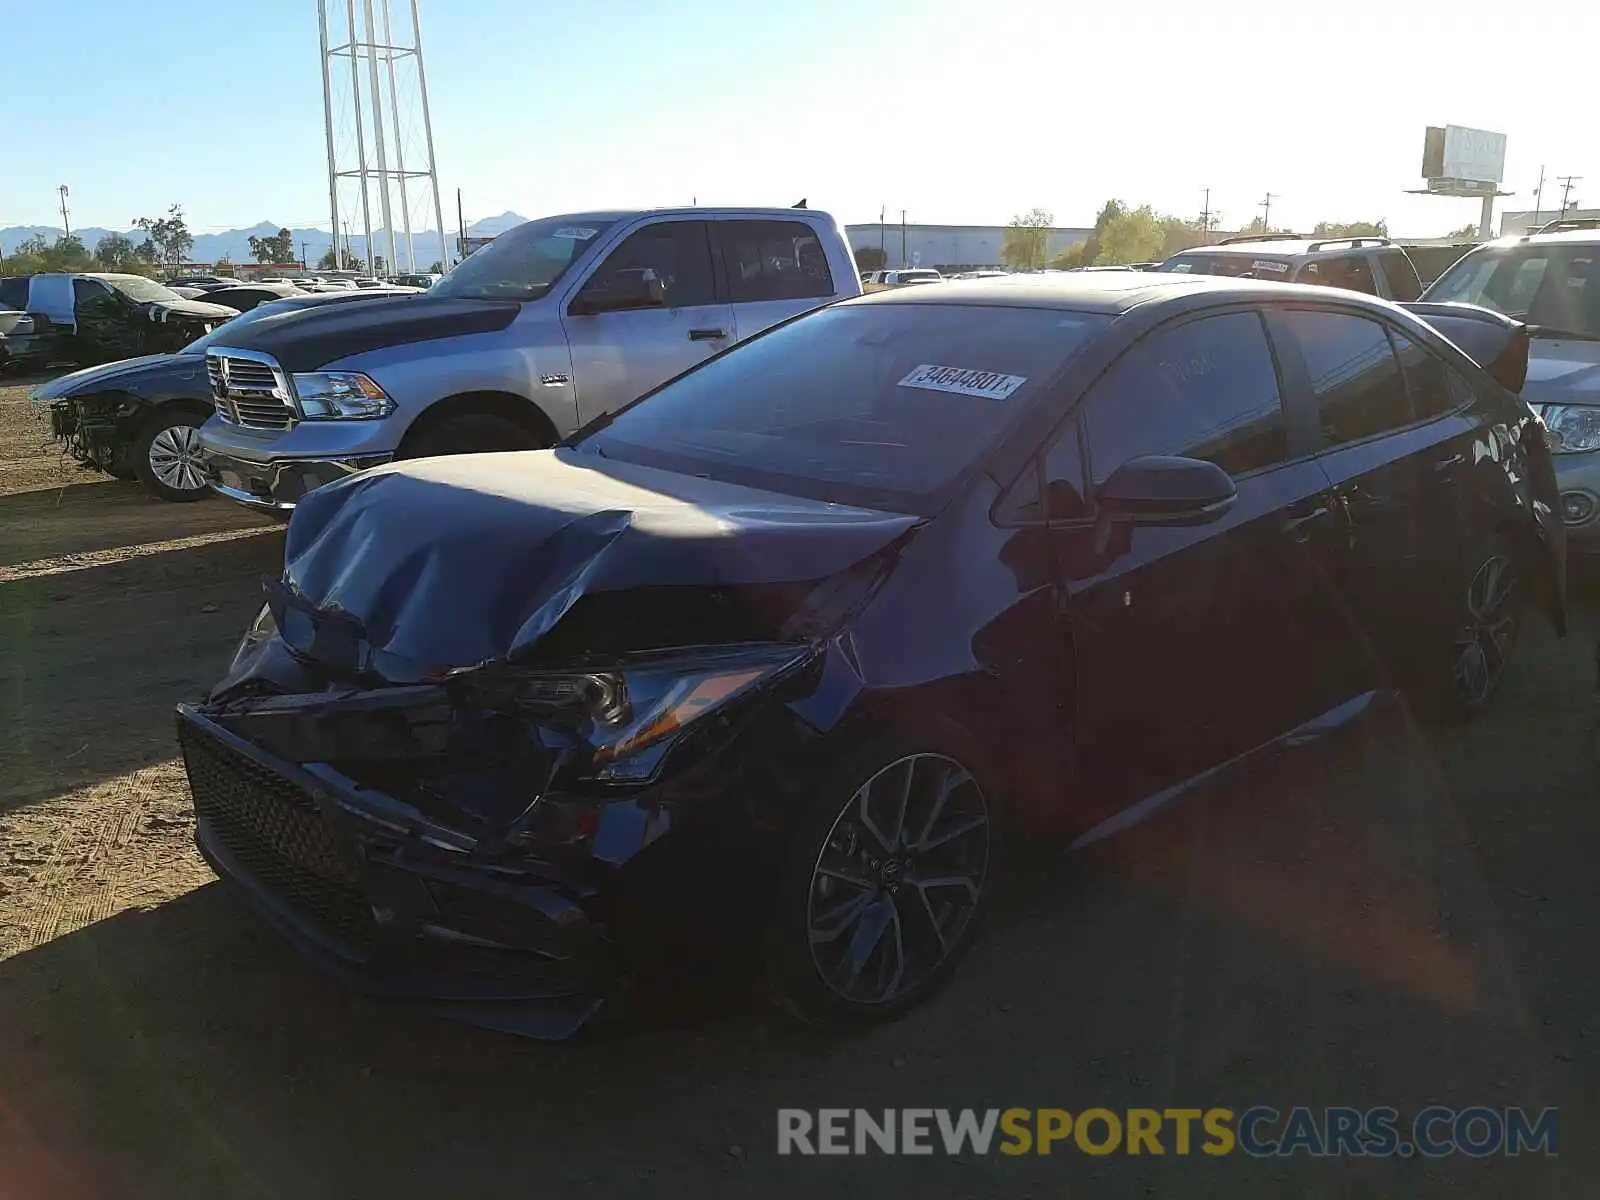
pixel 175 458
pixel 899 878
pixel 1483 646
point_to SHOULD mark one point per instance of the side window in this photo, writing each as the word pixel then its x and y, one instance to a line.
pixel 1203 389
pixel 1351 272
pixel 1354 374
pixel 1051 487
pixel 86 292
pixel 14 293
pixel 1404 285
pixel 774 260
pixel 679 254
pixel 1427 378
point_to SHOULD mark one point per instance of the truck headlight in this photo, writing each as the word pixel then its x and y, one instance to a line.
pixel 633 713
pixel 340 396
pixel 1572 428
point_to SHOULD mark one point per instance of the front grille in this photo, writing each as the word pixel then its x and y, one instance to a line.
pixel 274 831
pixel 248 391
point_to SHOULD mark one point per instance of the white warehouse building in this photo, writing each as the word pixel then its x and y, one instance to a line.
pixel 948 247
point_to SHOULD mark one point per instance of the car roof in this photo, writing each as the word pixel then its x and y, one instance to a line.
pixel 1109 292
pixel 1564 237
pixel 703 211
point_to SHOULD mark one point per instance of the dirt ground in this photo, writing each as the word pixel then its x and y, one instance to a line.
pixel 1397 918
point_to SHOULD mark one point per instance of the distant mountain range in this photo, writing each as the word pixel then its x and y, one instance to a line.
pixel 235 243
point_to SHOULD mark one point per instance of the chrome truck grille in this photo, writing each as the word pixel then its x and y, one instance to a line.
pixel 248 388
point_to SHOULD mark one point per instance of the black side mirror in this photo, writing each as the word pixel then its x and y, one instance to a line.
pixel 1161 490
pixel 637 287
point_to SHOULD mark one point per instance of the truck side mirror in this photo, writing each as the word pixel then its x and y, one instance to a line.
pixel 621 291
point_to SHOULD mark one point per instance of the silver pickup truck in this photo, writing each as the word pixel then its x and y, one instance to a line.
pixel 553 324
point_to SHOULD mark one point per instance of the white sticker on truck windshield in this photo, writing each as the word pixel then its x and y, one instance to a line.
pixel 964 381
pixel 1262 264
pixel 578 233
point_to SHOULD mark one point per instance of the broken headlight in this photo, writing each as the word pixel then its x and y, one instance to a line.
pixel 632 713
pixel 261 630
pixel 340 396
pixel 1571 429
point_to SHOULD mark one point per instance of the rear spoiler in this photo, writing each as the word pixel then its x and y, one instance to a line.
pixel 1496 342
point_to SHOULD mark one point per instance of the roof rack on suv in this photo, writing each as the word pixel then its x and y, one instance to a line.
pixel 1569 224
pixel 1352 242
pixel 1261 237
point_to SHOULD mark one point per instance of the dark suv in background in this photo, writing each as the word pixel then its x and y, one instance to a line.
pixel 1373 265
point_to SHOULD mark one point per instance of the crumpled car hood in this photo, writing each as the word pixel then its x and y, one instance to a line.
pixel 452 562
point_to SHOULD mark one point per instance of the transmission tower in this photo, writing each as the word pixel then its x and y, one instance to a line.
pixel 374 98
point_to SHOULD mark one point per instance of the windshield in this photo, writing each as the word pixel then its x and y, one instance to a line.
pixel 882 405
pixel 139 289
pixel 524 263
pixel 1555 286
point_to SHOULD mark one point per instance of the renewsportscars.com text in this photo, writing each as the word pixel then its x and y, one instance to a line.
pixel 1260 1131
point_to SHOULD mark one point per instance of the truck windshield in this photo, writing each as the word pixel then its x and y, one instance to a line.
pixel 524 263
pixel 882 405
pixel 1555 286
pixel 139 289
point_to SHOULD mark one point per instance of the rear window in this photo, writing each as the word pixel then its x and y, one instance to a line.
pixel 881 405
pixel 14 293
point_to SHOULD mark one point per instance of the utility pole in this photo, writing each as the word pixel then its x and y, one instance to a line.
pixel 304 265
pixel 1205 219
pixel 340 259
pixel 1266 212
pixel 902 238
pixel 66 226
pixel 1538 199
pixel 461 223
pixel 882 212
pixel 1566 182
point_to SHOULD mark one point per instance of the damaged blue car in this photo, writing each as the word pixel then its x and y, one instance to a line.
pixel 764 668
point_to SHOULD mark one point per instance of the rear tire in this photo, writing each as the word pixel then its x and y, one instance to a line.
pixel 876 907
pixel 1491 606
pixel 472 433
pixel 166 456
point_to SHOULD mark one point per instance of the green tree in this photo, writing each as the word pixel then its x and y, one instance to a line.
pixel 276 249
pixel 33 247
pixel 868 258
pixel 1350 229
pixel 329 263
pixel 114 252
pixel 1178 234
pixel 1071 258
pixel 1468 232
pixel 436 268
pixel 1027 240
pixel 68 254
pixel 1133 235
pixel 1109 212
pixel 379 266
pixel 169 235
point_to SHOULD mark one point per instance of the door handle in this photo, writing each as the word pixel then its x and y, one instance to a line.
pixel 707 335
pixel 1445 465
pixel 1299 528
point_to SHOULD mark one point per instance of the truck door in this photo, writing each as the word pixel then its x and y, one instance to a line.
pixel 775 270
pixel 107 329
pixel 624 344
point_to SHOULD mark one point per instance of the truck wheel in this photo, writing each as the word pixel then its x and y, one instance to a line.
pixel 471 433
pixel 166 456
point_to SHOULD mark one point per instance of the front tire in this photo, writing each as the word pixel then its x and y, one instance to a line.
pixel 886 876
pixel 166 456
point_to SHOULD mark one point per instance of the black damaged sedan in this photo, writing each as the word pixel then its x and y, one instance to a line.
pixel 758 670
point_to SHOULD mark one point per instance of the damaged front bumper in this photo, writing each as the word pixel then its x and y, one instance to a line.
pixel 494 894
pixel 376 894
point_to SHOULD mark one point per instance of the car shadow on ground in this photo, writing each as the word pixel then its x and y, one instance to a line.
pixel 94 658
pixel 1341 927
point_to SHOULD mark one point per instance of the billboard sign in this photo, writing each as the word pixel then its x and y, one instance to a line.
pixel 1459 154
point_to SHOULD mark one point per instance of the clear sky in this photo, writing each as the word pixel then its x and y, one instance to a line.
pixel 963 111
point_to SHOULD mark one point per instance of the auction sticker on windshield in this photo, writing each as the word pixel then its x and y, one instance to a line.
pixel 578 233
pixel 1266 264
pixel 965 381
